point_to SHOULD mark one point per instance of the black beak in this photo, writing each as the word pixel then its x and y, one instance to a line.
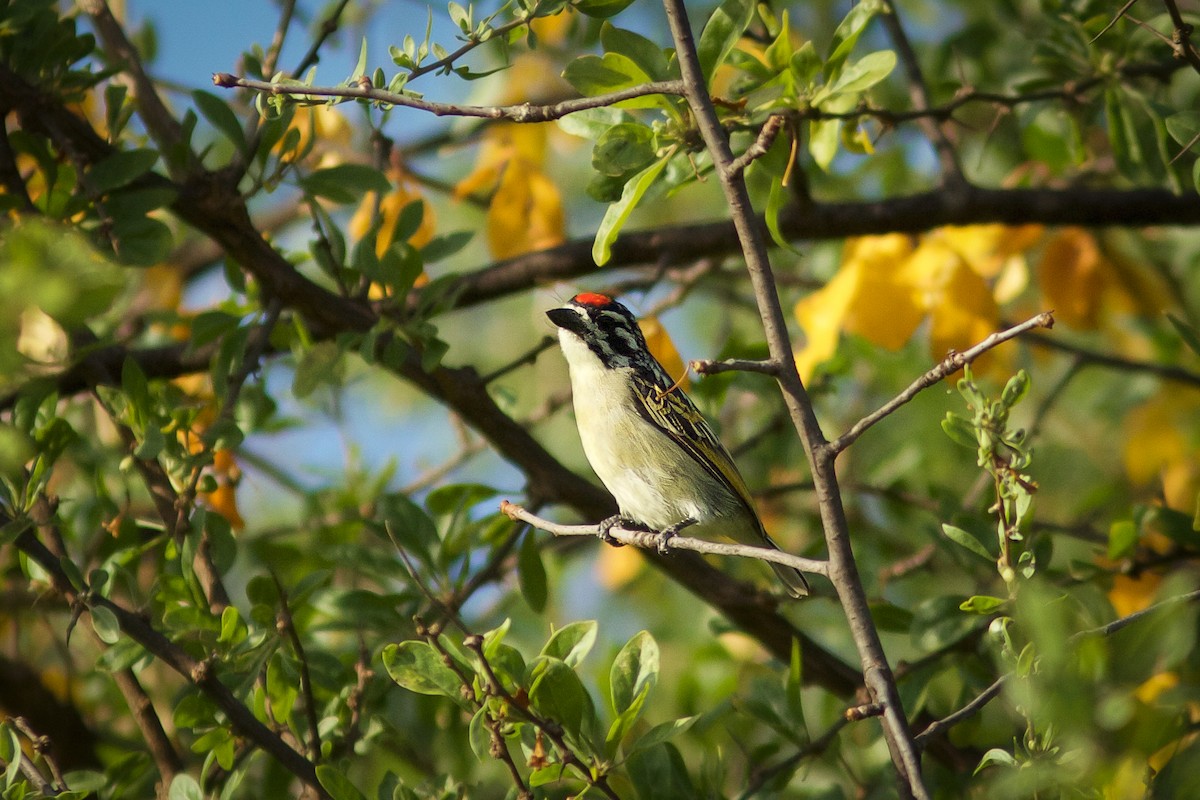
pixel 566 318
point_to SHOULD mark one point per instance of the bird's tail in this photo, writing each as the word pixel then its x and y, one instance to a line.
pixel 793 578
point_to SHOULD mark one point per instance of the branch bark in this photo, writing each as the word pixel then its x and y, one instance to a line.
pixel 842 569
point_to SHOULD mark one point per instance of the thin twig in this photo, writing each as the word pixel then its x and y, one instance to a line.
pixel 1087 357
pixel 766 138
pixel 705 367
pixel 286 625
pixel 1122 11
pixel 966 712
pixel 1182 39
pixel 281 31
pixel 522 112
pixel 652 540
pixel 329 26
pixel 1118 624
pixel 760 778
pixel 948 366
pixel 918 91
pixel 528 357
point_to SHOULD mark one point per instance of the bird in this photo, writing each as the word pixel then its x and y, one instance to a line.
pixel 646 440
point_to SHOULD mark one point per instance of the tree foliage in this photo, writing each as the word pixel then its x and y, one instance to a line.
pixel 272 353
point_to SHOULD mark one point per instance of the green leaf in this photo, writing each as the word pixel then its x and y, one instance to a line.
pixel 722 31
pixel 457 497
pixel 572 642
pixel 105 623
pixel 624 149
pixel 960 430
pixel 445 245
pixel 1122 539
pixel 184 787
pixel 595 75
pixel 966 539
pixel 479 737
pixel 120 169
pixel 659 773
pixel 865 73
pixel 10 753
pixel 332 779
pixel 624 723
pixel 982 604
pixel 1122 133
pixel 419 668
pixel 634 669
pixel 531 573
pixel 593 122
pixel 141 241
pixel 557 693
pixel 1016 389
pixel 618 213
pixel 345 183
pixel 643 52
pixel 1184 127
pixel 664 731
pixel 823 138
pixel 847 33
pixel 601 9
pixel 319 365
pixel 360 67
pixel 996 758
pixel 804 65
pixel 1189 335
pixel 221 117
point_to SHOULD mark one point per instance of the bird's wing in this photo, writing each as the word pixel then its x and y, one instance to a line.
pixel 668 409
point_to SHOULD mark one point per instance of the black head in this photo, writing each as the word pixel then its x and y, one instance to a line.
pixel 608 329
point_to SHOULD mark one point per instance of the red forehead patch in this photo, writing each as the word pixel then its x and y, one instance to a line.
pixel 591 299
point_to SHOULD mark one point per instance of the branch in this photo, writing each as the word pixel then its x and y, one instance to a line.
pixel 166 130
pixel 948 366
pixel 843 572
pixel 918 92
pixel 916 213
pixel 759 778
pixel 198 673
pixel 1182 38
pixel 973 707
pixel 1118 624
pixel 521 112
pixel 328 28
pixel 1087 357
pixel 651 540
pixel 705 367
pixel 766 138
pixel 966 712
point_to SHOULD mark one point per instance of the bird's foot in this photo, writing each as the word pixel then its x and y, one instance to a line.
pixel 667 534
pixel 616 520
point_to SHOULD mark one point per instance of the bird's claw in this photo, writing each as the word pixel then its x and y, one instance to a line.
pixel 607 525
pixel 667 534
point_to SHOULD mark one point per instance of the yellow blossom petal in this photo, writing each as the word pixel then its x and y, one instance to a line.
pixel 658 341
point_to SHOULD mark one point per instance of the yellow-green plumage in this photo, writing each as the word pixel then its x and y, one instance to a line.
pixel 644 437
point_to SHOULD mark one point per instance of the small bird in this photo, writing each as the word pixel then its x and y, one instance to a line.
pixel 645 438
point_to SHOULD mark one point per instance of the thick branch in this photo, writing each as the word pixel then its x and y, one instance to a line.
pixel 842 569
pixel 916 213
